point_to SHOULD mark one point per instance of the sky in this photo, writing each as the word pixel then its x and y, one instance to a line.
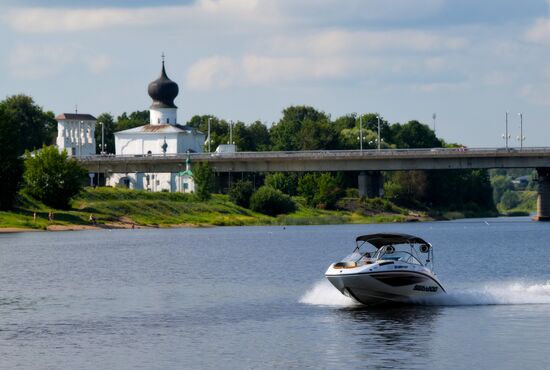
pixel 467 61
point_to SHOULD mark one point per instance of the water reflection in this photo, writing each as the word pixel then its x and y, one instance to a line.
pixel 395 337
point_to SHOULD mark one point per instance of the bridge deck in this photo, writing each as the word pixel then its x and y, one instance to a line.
pixel 330 160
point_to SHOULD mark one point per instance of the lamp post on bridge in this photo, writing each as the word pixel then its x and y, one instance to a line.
pixel 521 138
pixel 102 148
pixel 209 139
pixel 361 132
pixel 506 135
pixel 378 116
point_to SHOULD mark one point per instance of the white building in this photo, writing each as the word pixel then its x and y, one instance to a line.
pixel 162 136
pixel 76 133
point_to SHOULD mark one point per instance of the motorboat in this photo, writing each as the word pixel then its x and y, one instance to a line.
pixel 387 268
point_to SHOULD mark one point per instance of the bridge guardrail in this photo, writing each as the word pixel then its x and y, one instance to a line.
pixel 383 153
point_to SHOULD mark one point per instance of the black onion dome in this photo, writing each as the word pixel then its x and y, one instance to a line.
pixel 163 91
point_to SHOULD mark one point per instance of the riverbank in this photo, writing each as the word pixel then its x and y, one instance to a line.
pixel 108 208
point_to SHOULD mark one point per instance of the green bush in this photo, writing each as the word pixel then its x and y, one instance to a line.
pixel 285 182
pixel 204 180
pixel 510 199
pixel 240 193
pixel 52 177
pixel 271 202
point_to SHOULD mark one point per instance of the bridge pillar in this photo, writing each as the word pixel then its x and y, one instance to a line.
pixel 543 199
pixel 362 184
pixel 370 184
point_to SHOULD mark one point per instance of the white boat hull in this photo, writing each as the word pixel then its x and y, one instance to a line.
pixel 384 285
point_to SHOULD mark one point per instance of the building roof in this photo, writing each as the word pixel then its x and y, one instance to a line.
pixel 160 129
pixel 75 117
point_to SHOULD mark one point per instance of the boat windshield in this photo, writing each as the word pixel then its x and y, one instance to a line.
pixel 401 256
pixel 365 253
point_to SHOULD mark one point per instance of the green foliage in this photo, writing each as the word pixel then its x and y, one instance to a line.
pixel 500 184
pixel 11 166
pixel 303 128
pixel 203 175
pixel 444 189
pixel 320 190
pixel 240 193
pixel 307 187
pixel 107 122
pixel 285 182
pixel 51 177
pixel 271 202
pixel 510 199
pixel 414 134
pixel 135 119
pixel 328 191
pixel 34 127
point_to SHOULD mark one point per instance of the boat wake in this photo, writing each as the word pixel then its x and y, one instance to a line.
pixel 511 293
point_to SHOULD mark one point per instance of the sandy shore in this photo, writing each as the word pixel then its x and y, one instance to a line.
pixel 16 230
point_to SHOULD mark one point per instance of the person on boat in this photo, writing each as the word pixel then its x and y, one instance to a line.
pixel 367 258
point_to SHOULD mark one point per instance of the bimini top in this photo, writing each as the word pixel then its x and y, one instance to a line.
pixel 382 239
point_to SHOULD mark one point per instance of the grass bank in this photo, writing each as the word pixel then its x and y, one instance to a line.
pixel 122 208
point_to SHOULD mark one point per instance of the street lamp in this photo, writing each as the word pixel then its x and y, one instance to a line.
pixel 521 138
pixel 102 149
pixel 230 132
pixel 361 132
pixel 434 116
pixel 209 139
pixel 378 116
pixel 506 135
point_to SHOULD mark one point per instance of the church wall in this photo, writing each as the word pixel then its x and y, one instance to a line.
pixel 141 144
pixel 161 116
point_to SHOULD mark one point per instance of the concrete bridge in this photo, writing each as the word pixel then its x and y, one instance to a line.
pixel 368 162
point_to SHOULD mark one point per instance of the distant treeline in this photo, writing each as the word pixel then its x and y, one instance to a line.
pixel 26 126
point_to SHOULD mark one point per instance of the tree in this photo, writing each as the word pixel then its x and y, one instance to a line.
pixel 240 193
pixel 108 122
pixel 328 191
pixel 303 128
pixel 414 134
pixel 510 199
pixel 35 127
pixel 219 129
pixel 271 202
pixel 51 177
pixel 204 180
pixel 135 119
pixel 307 187
pixel 287 183
pixel 260 136
pixel 11 166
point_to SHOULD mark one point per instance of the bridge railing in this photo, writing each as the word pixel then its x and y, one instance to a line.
pixel 431 152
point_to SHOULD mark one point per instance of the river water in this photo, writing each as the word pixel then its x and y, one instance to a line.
pixel 256 298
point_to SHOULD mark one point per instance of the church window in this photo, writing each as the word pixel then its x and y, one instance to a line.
pixel 158 121
pixel 167 120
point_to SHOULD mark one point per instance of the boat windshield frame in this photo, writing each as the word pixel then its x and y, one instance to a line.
pixel 379 246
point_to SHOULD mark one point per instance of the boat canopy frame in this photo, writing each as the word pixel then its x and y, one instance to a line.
pixel 382 240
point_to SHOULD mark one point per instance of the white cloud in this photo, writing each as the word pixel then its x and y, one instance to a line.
pixel 213 72
pixel 34 61
pixel 539 32
pixel 344 41
pixel 64 20
pixel 536 93
pixel 99 63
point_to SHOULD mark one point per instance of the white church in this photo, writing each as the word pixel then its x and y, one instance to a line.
pixel 162 136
